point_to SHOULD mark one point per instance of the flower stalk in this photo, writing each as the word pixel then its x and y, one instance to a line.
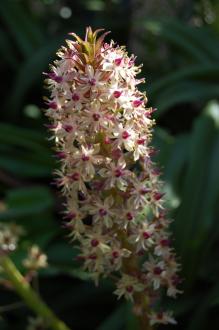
pixel 30 297
pixel 140 299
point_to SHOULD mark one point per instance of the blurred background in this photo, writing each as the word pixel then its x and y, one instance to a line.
pixel 178 42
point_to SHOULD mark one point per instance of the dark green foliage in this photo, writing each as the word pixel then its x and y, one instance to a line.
pixel 198 73
pixel 181 64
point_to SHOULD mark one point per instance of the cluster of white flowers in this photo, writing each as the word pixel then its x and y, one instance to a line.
pixel 35 259
pixel 9 236
pixel 114 203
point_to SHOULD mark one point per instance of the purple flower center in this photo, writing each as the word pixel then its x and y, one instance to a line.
pixel 156 171
pixel 102 212
pixel 165 242
pixel 158 195
pixel 55 77
pixel 75 97
pixel 68 128
pixel 117 94
pixel 129 216
pixel 85 158
pixel 140 141
pixel 129 288
pixel 125 135
pixel 136 103
pixel 75 176
pixel 115 254
pixel 92 82
pixel 61 155
pixel 96 116
pixel 70 215
pixel 118 61
pixel 94 242
pixel 52 105
pixel 146 235
pixel 118 173
pixel 157 270
pixel 92 256
pixel 58 79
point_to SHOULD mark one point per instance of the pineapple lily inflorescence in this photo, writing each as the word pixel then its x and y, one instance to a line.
pixel 114 203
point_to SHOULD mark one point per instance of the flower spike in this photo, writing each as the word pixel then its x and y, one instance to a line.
pixel 114 205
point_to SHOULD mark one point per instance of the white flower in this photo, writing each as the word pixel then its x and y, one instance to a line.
pixel 155 271
pixel 142 236
pixel 116 255
pixel 126 215
pixel 116 175
pixel 101 211
pixel 127 286
pixel 91 79
pixel 139 193
pixel 162 247
pixel 85 158
pixel 75 99
pixel 125 136
pixel 161 317
pixel 95 118
pixel 9 236
pixel 35 259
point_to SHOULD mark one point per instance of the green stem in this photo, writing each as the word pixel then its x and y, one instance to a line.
pixel 131 266
pixel 31 298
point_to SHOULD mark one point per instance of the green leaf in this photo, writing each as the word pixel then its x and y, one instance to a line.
pixel 24 152
pixel 62 259
pixel 27 201
pixel 31 207
pixel 163 142
pixel 25 165
pixel 184 305
pixel 201 72
pixel 26 32
pixel 199 320
pixel 178 35
pixel 210 193
pixel 185 91
pixel 3 324
pixel 203 38
pixel 173 169
pixel 24 137
pixel 7 50
pixel 36 64
pixel 196 80
pixel 189 215
pixel 115 321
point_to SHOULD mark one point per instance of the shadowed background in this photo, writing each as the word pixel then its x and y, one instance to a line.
pixel 178 42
